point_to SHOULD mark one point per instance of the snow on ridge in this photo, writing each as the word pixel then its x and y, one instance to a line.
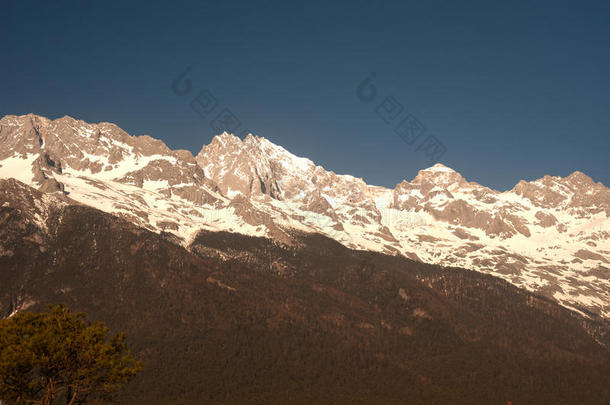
pixel 19 168
pixel 411 219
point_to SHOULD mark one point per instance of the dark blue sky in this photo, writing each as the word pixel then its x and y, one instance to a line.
pixel 512 89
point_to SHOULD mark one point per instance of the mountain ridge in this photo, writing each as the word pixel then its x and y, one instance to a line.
pixel 550 235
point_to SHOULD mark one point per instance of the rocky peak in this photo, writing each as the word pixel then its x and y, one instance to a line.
pixel 438 175
pixel 67 146
pixel 576 191
pixel 225 140
pixel 237 167
pixel 580 180
pixel 438 182
pixel 255 167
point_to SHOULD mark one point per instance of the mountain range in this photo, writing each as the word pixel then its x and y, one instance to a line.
pixel 248 275
pixel 550 236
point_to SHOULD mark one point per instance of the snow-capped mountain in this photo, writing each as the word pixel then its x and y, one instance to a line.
pixel 551 235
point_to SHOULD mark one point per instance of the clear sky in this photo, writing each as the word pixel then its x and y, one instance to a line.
pixel 512 90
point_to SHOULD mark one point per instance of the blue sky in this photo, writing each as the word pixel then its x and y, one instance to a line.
pixel 512 90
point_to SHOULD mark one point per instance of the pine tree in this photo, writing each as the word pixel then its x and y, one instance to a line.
pixel 58 356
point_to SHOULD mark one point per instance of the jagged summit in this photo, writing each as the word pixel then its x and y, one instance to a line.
pixel 225 138
pixel 255 167
pixel 580 178
pixel 439 167
pixel 551 235
pixel 438 175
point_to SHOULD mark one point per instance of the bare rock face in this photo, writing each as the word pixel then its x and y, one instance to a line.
pixel 551 235
pixel 255 167
pixel 577 192
pixel 317 203
pixel 545 220
pixel 245 169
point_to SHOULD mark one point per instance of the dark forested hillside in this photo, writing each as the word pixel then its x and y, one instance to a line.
pixel 237 319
